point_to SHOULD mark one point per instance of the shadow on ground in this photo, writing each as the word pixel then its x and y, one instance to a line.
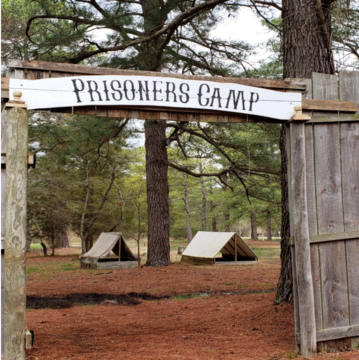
pixel 78 299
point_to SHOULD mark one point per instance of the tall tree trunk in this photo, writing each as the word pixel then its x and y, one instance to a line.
pixel 44 248
pixel 214 224
pixel 204 201
pixel 53 240
pixel 61 239
pixel 188 222
pixel 28 243
pixel 83 245
pixel 254 234
pixel 269 226
pixel 306 47
pixel 306 38
pixel 139 234
pixel 226 219
pixel 158 248
pixel 64 239
pixel 89 241
pixel 157 194
pixel 204 211
pixel 285 282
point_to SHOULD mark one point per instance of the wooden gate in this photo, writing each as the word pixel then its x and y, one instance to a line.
pixel 323 194
pixel 331 191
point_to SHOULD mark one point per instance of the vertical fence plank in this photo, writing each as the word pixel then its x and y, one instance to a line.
pixel 311 193
pixel 335 288
pixel 308 343
pixel 325 87
pixel 350 174
pixel 352 252
pixel 349 91
pixel 349 85
pixel 328 179
pixel 15 234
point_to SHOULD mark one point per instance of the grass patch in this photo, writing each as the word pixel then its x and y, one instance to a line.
pixel 266 252
pixel 292 355
pixel 54 269
pixel 69 267
pixel 32 270
pixel 267 285
pixel 242 286
pixel 227 283
pixel 35 247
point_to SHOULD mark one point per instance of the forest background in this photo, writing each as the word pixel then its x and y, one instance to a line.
pixel 90 177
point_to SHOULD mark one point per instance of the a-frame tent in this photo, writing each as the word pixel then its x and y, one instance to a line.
pixel 99 256
pixel 205 246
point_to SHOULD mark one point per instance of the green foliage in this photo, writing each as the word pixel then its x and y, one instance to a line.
pixel 244 162
pixel 76 158
pixel 292 355
pixel 155 35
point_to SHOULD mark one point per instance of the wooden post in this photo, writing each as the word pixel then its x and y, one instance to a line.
pixel 15 229
pixel 308 340
pixel 3 197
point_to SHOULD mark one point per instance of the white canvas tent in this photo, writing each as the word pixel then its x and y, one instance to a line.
pixel 205 246
pixel 99 256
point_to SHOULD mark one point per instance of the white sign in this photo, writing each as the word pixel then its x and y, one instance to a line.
pixel 145 91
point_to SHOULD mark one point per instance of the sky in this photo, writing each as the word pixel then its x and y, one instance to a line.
pixel 247 27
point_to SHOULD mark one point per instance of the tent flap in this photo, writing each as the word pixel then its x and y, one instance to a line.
pixel 208 244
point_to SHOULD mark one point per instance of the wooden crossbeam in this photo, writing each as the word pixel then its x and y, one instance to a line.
pixel 73 70
pixel 329 105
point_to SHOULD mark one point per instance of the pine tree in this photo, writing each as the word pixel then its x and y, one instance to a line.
pixel 150 35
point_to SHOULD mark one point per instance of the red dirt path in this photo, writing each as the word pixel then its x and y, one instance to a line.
pixel 242 325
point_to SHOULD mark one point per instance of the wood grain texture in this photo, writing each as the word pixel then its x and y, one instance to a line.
pixel 350 174
pixel 348 86
pixel 317 286
pixel 325 87
pixel 333 118
pixel 295 299
pixel 352 253
pixel 334 237
pixel 338 333
pixel 15 234
pixel 328 179
pixel 304 280
pixel 310 180
pixel 3 200
pixel 334 285
pixel 5 83
pixel 289 170
pixel 59 68
pixel 329 105
pixel 349 90
pixel 172 115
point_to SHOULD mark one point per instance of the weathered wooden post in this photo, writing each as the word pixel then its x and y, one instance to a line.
pixel 304 281
pixel 15 228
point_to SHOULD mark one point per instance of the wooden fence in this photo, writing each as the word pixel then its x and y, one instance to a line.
pixel 332 197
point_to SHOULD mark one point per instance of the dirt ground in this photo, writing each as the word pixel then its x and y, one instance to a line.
pixel 175 313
